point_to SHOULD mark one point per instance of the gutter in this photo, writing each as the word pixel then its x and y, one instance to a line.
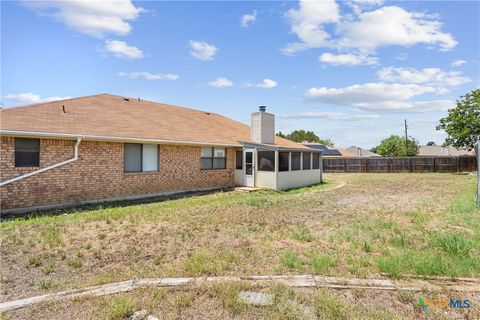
pixel 37 134
pixel 75 158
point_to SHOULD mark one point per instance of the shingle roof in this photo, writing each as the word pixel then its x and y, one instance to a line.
pixel 443 151
pixel 114 116
pixel 326 151
pixel 359 152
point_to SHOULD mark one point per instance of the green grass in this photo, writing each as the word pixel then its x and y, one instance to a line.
pixel 208 263
pixel 423 224
pixel 290 260
pixel 302 233
pixel 120 307
pixel 321 264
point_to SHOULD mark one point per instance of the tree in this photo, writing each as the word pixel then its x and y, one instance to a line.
pixel 302 135
pixel 394 146
pixel 430 143
pixel 463 122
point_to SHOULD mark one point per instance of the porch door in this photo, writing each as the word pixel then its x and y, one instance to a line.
pixel 249 169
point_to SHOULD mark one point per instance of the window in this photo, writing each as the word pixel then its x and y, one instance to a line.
pixel 266 160
pixel 213 158
pixel 307 157
pixel 140 157
pixel 295 161
pixel 27 152
pixel 239 160
pixel 316 160
pixel 283 158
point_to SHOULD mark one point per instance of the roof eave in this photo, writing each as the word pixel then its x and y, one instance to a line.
pixel 54 135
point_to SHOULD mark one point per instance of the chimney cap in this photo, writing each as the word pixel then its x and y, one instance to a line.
pixel 262 108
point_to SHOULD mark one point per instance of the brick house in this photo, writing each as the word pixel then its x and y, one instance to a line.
pixel 107 148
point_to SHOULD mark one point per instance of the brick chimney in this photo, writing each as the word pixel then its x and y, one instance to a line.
pixel 263 126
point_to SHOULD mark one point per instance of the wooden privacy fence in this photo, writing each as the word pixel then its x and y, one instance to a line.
pixel 403 164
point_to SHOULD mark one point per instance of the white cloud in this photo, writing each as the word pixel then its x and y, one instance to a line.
pixel 458 63
pixel 245 20
pixel 392 25
pixel 221 83
pixel 347 59
pixel 401 56
pixel 95 18
pixel 335 116
pixel 29 98
pixel 364 31
pixel 430 76
pixel 121 49
pixel 307 23
pixel 380 96
pixel 202 51
pixel 148 75
pixel 265 84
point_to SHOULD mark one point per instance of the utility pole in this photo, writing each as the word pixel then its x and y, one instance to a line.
pixel 406 135
pixel 477 153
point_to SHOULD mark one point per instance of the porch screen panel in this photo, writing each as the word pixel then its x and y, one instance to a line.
pixel 266 160
pixel 283 158
pixel 239 160
pixel 133 157
pixel 295 161
pixel 316 161
pixel 307 157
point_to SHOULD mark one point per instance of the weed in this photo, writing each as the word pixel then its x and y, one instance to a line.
pixel 34 262
pixel 75 263
pixel 322 264
pixel 302 233
pixel 205 262
pixel 120 308
pixel 159 295
pixel 158 259
pixel 183 300
pixel 228 293
pixel 52 236
pixel 46 284
pixel 455 243
pixel 49 269
pixel 367 246
pixel 290 260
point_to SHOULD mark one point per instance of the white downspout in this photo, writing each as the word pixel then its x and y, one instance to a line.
pixel 75 157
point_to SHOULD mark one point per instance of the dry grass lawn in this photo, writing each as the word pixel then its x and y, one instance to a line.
pixel 378 225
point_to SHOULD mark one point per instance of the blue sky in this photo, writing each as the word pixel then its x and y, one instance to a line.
pixel 349 70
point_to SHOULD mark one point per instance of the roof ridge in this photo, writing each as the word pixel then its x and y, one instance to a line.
pixel 51 102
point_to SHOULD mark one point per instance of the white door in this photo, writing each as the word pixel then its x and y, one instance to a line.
pixel 249 169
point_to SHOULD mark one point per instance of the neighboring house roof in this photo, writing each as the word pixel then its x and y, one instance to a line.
pixel 326 150
pixel 344 152
pixel 359 152
pixel 111 116
pixel 443 151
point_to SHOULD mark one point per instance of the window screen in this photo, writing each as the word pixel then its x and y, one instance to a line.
pixel 316 161
pixel 266 160
pixel 283 161
pixel 27 152
pixel 295 161
pixel 150 157
pixel 239 160
pixel 307 158
pixel 133 157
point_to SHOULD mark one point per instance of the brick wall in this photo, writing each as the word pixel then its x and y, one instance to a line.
pixel 98 173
